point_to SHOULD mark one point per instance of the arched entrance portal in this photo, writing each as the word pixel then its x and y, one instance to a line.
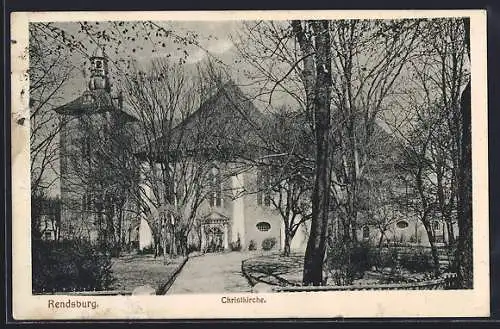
pixel 215 239
pixel 214 233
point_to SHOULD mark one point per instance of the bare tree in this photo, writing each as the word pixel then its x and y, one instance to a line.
pixel 48 74
pixel 288 170
pixel 369 58
pixel 313 38
pixel 100 173
pixel 177 151
pixel 434 125
pixel 464 247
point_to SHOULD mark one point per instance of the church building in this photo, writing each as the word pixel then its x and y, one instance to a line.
pixel 236 211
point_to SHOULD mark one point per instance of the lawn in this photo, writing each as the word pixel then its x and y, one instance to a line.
pixel 276 269
pixel 133 270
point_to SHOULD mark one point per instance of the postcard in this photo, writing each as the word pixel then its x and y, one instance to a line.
pixel 249 164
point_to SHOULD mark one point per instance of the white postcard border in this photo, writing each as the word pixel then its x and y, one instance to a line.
pixel 436 303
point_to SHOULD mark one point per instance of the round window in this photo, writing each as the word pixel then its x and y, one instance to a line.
pixel 263 226
pixel 402 224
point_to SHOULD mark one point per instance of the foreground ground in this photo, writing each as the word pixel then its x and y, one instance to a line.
pixel 134 270
pixel 276 269
pixel 212 273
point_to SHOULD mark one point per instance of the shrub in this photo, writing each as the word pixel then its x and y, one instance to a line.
pixel 418 262
pixel 252 245
pixel 345 264
pixel 150 250
pixel 70 265
pixel 268 243
pixel 384 258
pixel 192 248
pixel 236 245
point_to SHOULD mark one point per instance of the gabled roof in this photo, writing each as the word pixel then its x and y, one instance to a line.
pixel 95 101
pixel 226 125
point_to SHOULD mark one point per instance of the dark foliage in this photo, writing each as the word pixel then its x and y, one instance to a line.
pixel 193 248
pixel 268 243
pixel 348 265
pixel 384 258
pixel 148 251
pixel 69 265
pixel 252 245
pixel 417 262
pixel 236 246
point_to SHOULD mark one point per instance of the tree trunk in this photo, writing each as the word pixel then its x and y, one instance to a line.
pixel 434 252
pixel 464 246
pixel 451 232
pixel 381 239
pixel 120 233
pixel 164 248
pixel 173 242
pixel 316 245
pixel 286 249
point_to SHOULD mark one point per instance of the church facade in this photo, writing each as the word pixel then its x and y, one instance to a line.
pixel 237 210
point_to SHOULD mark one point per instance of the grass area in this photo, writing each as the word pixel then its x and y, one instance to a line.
pixel 133 270
pixel 276 269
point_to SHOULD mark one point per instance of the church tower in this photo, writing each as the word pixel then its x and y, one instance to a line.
pixel 99 71
pixel 84 134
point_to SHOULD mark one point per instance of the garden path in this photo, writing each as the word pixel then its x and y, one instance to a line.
pixel 212 273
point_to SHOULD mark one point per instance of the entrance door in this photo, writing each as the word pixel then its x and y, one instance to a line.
pixel 214 239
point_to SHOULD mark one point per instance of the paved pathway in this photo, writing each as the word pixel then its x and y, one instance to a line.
pixel 212 273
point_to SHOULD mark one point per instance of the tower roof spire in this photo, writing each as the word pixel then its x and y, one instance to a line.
pixel 99 70
pixel 98 52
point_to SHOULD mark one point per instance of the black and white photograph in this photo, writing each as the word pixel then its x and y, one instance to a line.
pixel 247 159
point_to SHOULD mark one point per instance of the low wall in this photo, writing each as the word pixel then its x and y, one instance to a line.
pixel 445 282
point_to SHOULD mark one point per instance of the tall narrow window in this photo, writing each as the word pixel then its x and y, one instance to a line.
pixel 86 148
pixel 263 189
pixel 86 202
pixel 215 195
pixel 267 196
pixel 366 232
pixel 259 188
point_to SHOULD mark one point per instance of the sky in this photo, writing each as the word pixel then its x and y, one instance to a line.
pixel 214 37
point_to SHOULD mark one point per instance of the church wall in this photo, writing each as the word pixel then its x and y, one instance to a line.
pixel 255 213
pixel 414 233
pixel 74 221
pixel 299 241
pixel 77 221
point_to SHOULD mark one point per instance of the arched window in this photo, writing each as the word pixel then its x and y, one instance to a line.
pixel 263 226
pixel 402 224
pixel 215 195
pixel 366 232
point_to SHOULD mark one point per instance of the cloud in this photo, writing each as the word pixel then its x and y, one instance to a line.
pixel 220 46
pixel 217 47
